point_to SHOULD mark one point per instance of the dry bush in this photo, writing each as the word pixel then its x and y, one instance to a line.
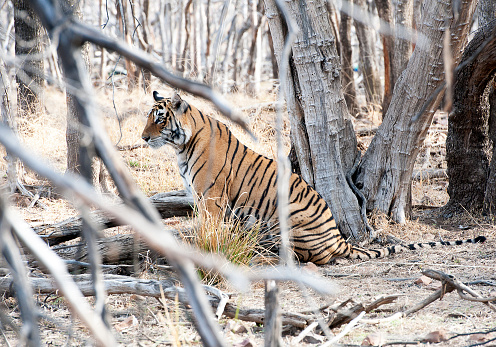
pixel 240 244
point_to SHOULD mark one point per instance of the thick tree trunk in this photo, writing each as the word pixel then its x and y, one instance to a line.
pixel 384 175
pixel 29 51
pixel 471 129
pixel 322 132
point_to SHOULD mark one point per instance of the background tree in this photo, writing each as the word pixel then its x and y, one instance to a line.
pixel 72 134
pixel 367 56
pixel 471 141
pixel 29 49
pixel 397 21
pixel 347 76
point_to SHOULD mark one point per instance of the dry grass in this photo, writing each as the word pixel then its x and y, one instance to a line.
pixel 212 234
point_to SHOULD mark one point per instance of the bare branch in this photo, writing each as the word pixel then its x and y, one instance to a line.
pixel 57 268
pixel 24 292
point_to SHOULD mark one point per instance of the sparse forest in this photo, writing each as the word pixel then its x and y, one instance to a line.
pixel 387 108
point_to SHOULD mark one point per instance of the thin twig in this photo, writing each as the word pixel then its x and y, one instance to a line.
pixel 345 331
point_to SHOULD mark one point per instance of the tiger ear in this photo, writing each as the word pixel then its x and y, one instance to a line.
pixel 176 101
pixel 157 96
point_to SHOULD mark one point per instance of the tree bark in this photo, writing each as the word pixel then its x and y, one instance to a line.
pixel 490 193
pixel 471 129
pixel 272 319
pixel 386 15
pixel 486 11
pixel 72 134
pixel 384 175
pixel 29 51
pixel 403 15
pixel 322 132
pixel 7 118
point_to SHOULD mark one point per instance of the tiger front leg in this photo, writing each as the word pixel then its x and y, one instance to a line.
pixel 211 208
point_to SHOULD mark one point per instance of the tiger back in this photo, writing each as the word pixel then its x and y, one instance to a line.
pixel 227 175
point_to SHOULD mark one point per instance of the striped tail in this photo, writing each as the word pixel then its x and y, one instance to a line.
pixel 362 253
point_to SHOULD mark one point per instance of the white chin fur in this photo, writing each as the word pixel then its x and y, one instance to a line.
pixel 157 142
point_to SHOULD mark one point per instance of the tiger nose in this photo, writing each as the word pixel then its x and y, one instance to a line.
pixel 145 138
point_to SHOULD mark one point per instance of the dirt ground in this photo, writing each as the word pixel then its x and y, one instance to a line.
pixel 144 321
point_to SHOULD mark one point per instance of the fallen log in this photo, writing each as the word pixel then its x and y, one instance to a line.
pixel 116 284
pixel 170 204
pixel 117 249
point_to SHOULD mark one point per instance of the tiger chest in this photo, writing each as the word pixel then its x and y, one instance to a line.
pixel 185 172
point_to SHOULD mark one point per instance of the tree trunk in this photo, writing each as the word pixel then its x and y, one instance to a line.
pixel 386 15
pixel 403 16
pixel 347 76
pixel 322 132
pixel 238 50
pixel 146 45
pixel 132 73
pixel 7 118
pixel 254 56
pixel 179 36
pixel 384 175
pixel 187 29
pixel 273 59
pixel 368 64
pixel 72 134
pixel 29 52
pixel 471 137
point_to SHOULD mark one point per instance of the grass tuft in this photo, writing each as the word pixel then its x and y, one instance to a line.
pixel 230 237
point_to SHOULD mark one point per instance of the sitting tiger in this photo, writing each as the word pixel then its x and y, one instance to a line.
pixel 222 170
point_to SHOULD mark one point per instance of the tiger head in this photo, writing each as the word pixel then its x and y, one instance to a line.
pixel 167 122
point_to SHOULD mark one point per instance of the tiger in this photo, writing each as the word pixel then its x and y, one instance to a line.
pixel 215 165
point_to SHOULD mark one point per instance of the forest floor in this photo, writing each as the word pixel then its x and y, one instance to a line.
pixel 144 321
